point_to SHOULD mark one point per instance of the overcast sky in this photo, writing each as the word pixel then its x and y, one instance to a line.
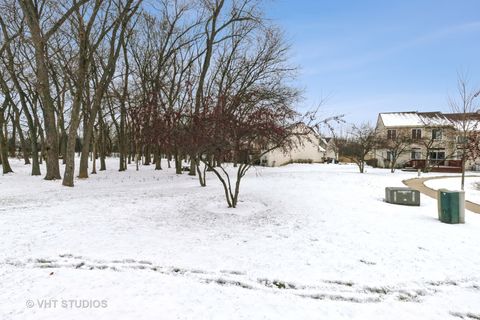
pixel 371 56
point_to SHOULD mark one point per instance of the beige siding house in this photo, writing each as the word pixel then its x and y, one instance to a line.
pixel 307 150
pixel 431 139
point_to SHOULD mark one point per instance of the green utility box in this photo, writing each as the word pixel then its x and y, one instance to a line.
pixel 451 206
pixel 404 196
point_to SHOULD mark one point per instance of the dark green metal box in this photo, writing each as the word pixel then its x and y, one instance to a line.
pixel 402 195
pixel 451 206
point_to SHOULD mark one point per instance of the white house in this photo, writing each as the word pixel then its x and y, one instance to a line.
pixel 331 150
pixel 308 150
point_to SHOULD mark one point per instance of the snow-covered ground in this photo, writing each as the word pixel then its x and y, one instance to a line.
pixel 472 186
pixel 306 242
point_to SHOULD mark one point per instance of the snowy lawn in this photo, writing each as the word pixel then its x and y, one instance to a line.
pixel 306 242
pixel 472 186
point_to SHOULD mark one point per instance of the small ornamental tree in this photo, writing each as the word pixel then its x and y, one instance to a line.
pixel 465 107
pixel 396 146
pixel 363 139
pixel 254 132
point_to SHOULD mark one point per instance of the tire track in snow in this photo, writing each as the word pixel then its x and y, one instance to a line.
pixel 328 289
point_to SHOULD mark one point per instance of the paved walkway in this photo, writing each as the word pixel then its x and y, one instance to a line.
pixel 419 184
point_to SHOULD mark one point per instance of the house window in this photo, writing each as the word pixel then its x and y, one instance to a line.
pixel 416 134
pixel 459 155
pixel 391 134
pixel 416 154
pixel 437 134
pixel 437 155
pixel 462 139
pixel 390 155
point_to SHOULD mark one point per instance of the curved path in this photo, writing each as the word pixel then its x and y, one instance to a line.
pixel 419 184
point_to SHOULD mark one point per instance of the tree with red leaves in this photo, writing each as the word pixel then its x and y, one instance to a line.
pixel 253 110
pixel 224 102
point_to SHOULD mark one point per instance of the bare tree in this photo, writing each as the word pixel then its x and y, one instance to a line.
pixel 101 24
pixel 251 112
pixel 221 22
pixel 337 138
pixel 16 60
pixel 3 141
pixel 86 48
pixel 4 109
pixel 464 105
pixel 395 146
pixel 43 21
pixel 362 141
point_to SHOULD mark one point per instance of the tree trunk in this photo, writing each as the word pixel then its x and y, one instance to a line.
pixel 211 161
pixel 122 144
pixel 51 134
pixel 3 148
pixel 193 166
pixel 102 147
pixel 129 158
pixel 63 147
pixel 392 166
pixel 69 155
pixel 94 153
pixel 23 143
pixel 103 164
pixel 137 160
pixel 202 178
pixel 35 160
pixel 87 137
pixel 148 158
pixel 237 192
pixel 158 159
pixel 68 176
pixel 178 164
pixel 13 145
pixel 42 144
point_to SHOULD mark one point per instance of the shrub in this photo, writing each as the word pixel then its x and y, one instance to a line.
pixel 372 162
pixel 302 161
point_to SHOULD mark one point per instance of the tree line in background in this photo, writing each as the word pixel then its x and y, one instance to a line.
pixel 208 81
pixel 203 80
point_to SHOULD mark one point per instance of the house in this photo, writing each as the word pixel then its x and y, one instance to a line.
pixel 423 139
pixel 331 149
pixel 307 150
